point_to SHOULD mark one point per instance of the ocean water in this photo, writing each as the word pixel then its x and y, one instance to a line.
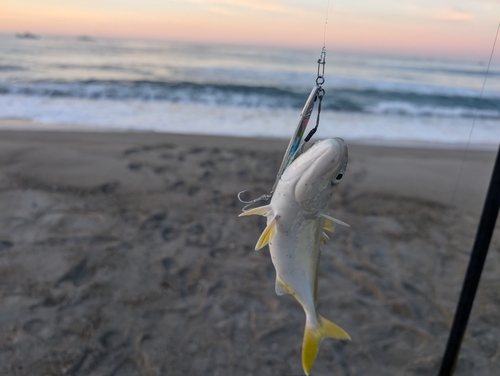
pixel 120 84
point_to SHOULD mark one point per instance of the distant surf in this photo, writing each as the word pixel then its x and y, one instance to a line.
pixel 152 85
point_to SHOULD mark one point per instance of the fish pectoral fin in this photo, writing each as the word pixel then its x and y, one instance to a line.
pixel 324 238
pixel 330 222
pixel 261 210
pixel 281 288
pixel 267 234
pixel 314 336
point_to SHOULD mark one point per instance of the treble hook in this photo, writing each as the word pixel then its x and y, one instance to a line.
pixel 263 197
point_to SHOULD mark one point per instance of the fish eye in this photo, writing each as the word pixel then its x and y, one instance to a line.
pixel 339 176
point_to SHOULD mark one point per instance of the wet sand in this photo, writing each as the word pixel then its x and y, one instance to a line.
pixel 122 254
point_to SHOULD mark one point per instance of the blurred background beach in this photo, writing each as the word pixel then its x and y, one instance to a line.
pixel 128 128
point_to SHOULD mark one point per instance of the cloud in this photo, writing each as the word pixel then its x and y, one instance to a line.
pixel 273 6
pixel 452 15
pixel 221 10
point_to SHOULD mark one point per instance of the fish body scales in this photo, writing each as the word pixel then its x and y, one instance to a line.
pixel 295 248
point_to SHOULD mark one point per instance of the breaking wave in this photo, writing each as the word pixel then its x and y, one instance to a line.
pixel 384 99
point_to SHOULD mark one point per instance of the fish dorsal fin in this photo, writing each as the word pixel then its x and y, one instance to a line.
pixel 316 279
pixel 329 225
pixel 281 288
pixel 324 238
pixel 265 211
pixel 267 234
pixel 330 219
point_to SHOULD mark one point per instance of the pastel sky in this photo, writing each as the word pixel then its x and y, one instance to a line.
pixel 458 28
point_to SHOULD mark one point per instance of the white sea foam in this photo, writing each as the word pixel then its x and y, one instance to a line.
pixel 78 114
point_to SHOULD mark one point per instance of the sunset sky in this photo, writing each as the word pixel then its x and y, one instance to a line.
pixel 455 28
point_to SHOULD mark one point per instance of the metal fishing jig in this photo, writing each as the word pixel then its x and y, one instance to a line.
pixel 296 144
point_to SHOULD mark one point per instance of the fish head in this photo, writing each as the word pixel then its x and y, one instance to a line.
pixel 315 174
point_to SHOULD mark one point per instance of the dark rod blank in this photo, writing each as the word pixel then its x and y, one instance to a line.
pixel 474 270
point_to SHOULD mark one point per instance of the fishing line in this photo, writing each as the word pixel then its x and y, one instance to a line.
pixel 326 23
pixel 467 148
pixel 470 132
pixel 475 116
pixel 296 143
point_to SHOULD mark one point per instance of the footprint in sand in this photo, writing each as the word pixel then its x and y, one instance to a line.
pixel 111 339
pixel 5 244
pixel 169 233
pixel 38 328
pixel 78 275
pixel 127 368
pixel 154 221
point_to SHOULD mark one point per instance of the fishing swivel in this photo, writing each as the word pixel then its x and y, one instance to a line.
pixel 320 79
pixel 320 93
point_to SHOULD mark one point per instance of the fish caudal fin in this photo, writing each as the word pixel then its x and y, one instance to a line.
pixel 314 336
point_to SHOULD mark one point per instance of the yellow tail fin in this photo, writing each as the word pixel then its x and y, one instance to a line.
pixel 313 337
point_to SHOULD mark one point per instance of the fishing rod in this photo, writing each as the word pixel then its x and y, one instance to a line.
pixel 474 270
pixel 477 259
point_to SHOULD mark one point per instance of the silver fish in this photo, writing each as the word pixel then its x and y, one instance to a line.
pixel 296 221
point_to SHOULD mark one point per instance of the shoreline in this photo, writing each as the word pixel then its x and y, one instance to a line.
pixel 26 125
pixel 440 175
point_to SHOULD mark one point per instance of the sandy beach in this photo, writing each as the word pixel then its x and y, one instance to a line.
pixel 122 254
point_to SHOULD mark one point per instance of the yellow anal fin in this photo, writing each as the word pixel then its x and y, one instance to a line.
pixel 281 288
pixel 267 234
pixel 313 337
pixel 261 210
